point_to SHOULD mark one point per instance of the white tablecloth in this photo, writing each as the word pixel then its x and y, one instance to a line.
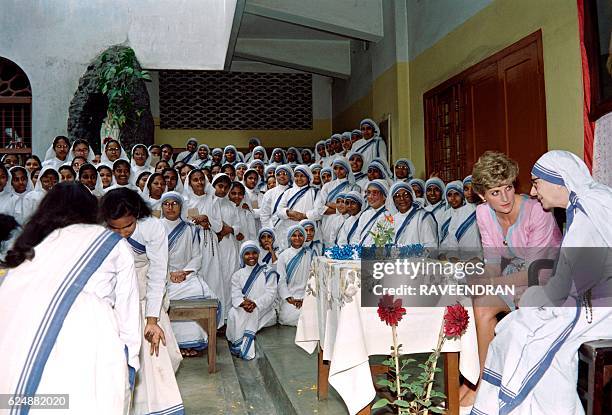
pixel 349 334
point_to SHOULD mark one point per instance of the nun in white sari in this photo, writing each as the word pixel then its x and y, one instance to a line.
pixel 20 185
pixel 47 178
pixel 57 153
pixel 112 151
pixel 204 212
pixel 191 152
pixel 153 190
pixel 438 208
pixel 460 231
pixel 7 205
pixel 141 162
pixel 313 240
pixel 293 268
pixel 228 244
pixel 355 205
pixel 371 145
pixel 78 331
pixel 343 181
pixel 412 224
pixel 532 364
pixel 297 203
pixel 378 191
pixel 268 212
pixel 268 251
pixel 253 295
pixel 156 389
pixel 184 264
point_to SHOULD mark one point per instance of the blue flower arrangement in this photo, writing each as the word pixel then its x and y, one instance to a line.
pixel 343 252
pixel 348 252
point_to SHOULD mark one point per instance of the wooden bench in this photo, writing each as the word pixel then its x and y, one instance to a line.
pixel 204 312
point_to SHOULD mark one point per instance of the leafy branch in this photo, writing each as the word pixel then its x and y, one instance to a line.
pixel 118 74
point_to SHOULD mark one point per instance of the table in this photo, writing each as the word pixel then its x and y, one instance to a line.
pixel 204 312
pixel 347 334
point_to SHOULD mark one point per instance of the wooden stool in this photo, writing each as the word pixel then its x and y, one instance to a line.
pixel 204 312
pixel 595 376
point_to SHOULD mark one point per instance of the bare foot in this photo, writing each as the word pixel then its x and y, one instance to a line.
pixel 463 389
pixel 468 399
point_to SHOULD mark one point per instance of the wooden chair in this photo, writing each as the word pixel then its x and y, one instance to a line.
pixel 204 312
pixel 595 376
pixel 594 365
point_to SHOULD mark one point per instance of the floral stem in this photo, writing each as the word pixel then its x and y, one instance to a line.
pixel 434 364
pixel 397 369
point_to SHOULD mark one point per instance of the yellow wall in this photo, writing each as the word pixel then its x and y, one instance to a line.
pixel 387 97
pixel 240 138
pixel 501 24
pixel 399 91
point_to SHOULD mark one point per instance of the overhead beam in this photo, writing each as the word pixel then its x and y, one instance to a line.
pixel 323 57
pixel 238 13
pixel 359 19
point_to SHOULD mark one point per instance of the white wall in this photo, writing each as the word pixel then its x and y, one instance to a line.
pixel 54 40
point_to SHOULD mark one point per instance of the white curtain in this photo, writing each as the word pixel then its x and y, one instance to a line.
pixel 602 150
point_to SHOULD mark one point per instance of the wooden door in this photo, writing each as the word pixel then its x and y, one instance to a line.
pixel 504 110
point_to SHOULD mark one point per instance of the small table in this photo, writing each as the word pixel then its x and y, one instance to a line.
pixel 347 334
pixel 204 312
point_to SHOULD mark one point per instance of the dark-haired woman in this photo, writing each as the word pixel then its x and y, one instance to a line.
pixel 127 214
pixel 106 176
pixel 153 190
pixel 141 161
pixel 112 152
pixel 90 295
pixel 57 154
pixel 88 175
pixel 21 185
pixel 81 148
pixel 32 163
pixel 121 175
pixel 67 173
pixel 47 179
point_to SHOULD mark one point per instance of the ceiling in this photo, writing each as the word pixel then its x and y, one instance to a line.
pixel 312 36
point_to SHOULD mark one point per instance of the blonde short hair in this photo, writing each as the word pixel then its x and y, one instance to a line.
pixel 493 169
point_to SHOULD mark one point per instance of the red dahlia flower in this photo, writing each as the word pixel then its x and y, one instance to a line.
pixel 456 320
pixel 390 311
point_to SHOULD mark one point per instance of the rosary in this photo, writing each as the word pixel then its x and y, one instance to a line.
pixel 586 301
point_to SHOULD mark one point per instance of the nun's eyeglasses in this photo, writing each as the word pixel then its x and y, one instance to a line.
pixel 171 204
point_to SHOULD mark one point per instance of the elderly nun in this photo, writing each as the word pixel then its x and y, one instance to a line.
pixel 191 152
pixel 184 265
pixel 532 363
pixel 377 193
pixel 412 224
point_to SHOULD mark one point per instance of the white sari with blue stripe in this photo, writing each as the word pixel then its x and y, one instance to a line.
pixel 156 390
pixel 293 268
pixel 184 254
pixel 532 363
pixel 460 231
pixel 258 283
pixel 48 321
